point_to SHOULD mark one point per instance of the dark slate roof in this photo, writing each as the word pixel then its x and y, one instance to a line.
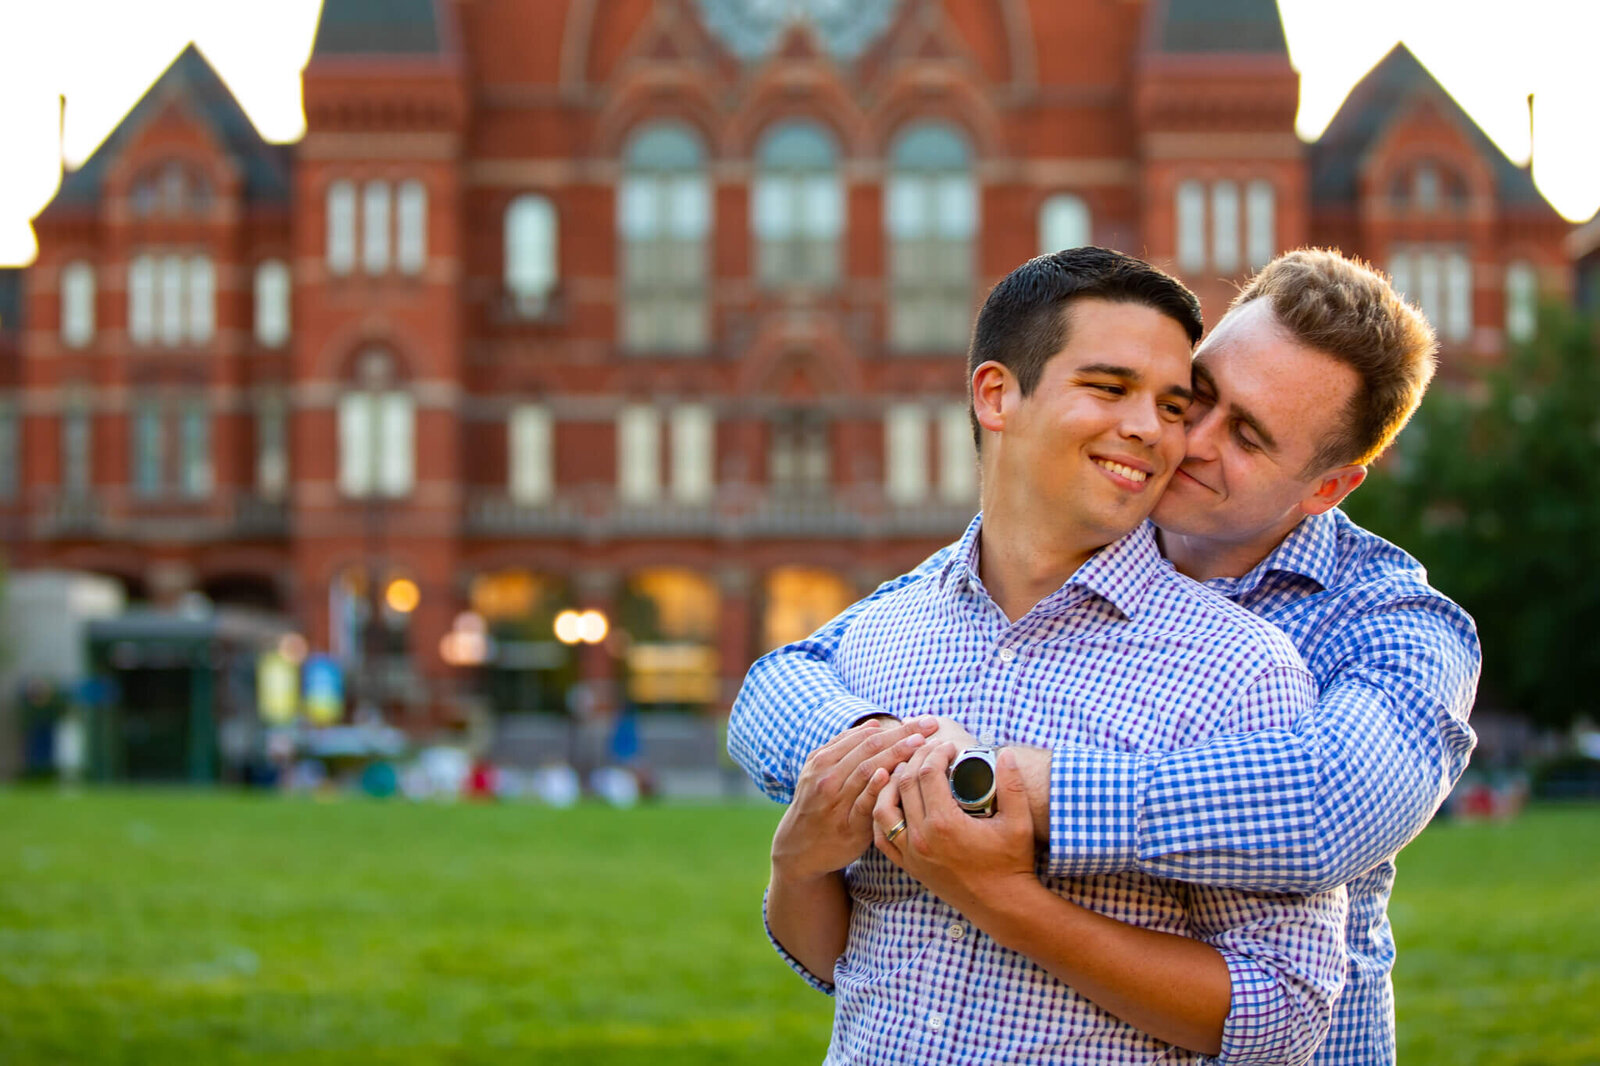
pixel 377 27
pixel 192 80
pixel 10 299
pixel 1231 26
pixel 1337 155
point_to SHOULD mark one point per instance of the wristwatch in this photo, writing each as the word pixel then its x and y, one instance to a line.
pixel 972 781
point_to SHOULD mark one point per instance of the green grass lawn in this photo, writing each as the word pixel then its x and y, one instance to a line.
pixel 212 928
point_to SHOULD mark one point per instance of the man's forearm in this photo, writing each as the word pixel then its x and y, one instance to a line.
pixel 1174 988
pixel 809 917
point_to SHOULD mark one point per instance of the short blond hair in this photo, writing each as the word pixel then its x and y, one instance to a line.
pixel 1346 309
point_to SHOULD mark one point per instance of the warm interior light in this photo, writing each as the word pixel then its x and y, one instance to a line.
pixel 402 595
pixel 567 627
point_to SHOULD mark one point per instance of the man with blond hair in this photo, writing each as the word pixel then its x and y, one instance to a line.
pixel 1306 380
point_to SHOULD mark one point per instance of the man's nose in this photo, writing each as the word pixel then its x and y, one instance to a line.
pixel 1143 422
pixel 1201 440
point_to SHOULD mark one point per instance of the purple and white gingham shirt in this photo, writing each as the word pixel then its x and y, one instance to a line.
pixel 1127 656
pixel 1326 802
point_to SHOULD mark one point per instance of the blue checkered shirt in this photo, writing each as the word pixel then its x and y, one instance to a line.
pixel 1128 656
pixel 1328 801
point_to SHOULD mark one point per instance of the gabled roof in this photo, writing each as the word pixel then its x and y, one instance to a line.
pixel 1399 78
pixel 1216 26
pixel 190 79
pixel 377 27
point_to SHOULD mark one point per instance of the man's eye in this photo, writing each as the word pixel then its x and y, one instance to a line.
pixel 1176 410
pixel 1115 390
pixel 1245 442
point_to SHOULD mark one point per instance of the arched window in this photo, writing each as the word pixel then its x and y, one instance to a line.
pixel 1064 223
pixel 664 220
pixel 77 304
pixel 1522 297
pixel 377 432
pixel 530 251
pixel 932 218
pixel 272 303
pixel 798 207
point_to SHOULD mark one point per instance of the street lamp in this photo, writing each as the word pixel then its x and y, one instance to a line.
pixel 581 627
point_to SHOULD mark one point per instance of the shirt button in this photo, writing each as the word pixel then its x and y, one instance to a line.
pixel 956 930
pixel 935 1022
pixel 1007 654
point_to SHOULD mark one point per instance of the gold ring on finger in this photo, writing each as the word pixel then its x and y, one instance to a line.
pixel 895 830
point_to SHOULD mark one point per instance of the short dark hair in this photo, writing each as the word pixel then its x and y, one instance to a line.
pixel 1027 316
pixel 1345 309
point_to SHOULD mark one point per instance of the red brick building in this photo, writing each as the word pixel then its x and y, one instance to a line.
pixel 655 307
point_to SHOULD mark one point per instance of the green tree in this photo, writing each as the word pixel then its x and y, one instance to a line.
pixel 1495 486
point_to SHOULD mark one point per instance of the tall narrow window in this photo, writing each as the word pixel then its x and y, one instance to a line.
pixel 1427 187
pixel 272 303
pixel 905 445
pixel 1225 226
pixel 798 464
pixel 530 250
pixel 693 453
pixel 1458 296
pixel 1191 212
pixel 1429 294
pixel 532 458
pixel 142 300
pixel 377 433
pixel 149 448
pixel 664 221
pixel 1522 298
pixel 202 295
pixel 958 461
pixel 272 448
pixel 341 227
pixel 77 471
pixel 1261 223
pixel 411 251
pixel 194 449
pixel 1064 223
pixel 638 454
pixel 77 304
pixel 1400 275
pixel 10 457
pixel 397 431
pixel 798 207
pixel 932 218
pixel 170 292
pixel 375 227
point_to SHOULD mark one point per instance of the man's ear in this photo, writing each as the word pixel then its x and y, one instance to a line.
pixel 1330 489
pixel 993 395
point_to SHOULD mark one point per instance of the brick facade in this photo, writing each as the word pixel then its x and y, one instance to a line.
pixel 1131 106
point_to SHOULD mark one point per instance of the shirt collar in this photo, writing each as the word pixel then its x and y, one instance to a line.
pixel 1311 550
pixel 1119 573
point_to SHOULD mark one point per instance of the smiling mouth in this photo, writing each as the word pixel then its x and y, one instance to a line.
pixel 1127 472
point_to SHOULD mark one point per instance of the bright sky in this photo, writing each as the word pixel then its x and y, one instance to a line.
pixel 103 54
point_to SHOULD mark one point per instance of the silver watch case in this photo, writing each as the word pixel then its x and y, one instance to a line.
pixel 973 779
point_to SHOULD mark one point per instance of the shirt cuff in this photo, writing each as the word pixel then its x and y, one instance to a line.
pixel 825 987
pixel 830 719
pixel 1094 811
pixel 1262 1026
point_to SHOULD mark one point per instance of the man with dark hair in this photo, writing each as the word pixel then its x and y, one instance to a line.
pixel 1308 378
pixel 1052 621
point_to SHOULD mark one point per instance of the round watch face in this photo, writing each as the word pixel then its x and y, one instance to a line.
pixel 972 779
pixel 750 28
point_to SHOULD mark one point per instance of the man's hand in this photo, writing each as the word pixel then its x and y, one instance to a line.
pixel 967 862
pixel 829 824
